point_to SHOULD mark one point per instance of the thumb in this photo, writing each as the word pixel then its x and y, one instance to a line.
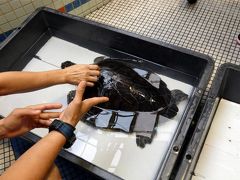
pixel 95 100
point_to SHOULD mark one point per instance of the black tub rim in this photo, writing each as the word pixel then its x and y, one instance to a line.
pixel 204 122
pixel 200 88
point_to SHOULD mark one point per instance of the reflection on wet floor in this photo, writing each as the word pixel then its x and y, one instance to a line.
pixel 143 116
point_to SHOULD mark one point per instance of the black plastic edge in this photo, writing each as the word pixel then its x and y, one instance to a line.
pixel 222 77
pixel 125 34
pixel 179 137
pixel 9 46
pixel 18 29
pixel 167 45
pixel 186 170
pixel 196 143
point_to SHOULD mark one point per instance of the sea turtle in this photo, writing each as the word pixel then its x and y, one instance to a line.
pixel 136 98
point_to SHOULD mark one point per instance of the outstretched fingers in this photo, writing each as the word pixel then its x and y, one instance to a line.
pixel 44 119
pixel 49 115
pixel 92 79
pixel 21 112
pixel 44 123
pixel 94 73
pixel 93 67
pixel 47 106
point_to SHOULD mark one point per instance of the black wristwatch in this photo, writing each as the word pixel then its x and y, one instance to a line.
pixel 66 129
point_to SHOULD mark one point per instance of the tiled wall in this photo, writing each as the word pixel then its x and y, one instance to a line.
pixel 14 12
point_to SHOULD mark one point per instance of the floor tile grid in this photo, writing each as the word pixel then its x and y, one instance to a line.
pixel 209 27
pixel 6 154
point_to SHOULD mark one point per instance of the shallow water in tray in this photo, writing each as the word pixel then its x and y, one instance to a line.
pixel 113 151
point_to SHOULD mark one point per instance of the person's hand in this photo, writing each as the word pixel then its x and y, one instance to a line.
pixel 22 120
pixel 78 107
pixel 82 72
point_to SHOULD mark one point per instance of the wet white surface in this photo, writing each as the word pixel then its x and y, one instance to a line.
pixel 56 51
pixel 48 95
pixel 220 156
pixel 116 152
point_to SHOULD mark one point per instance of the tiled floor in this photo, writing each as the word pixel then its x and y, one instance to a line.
pixel 209 26
pixel 6 155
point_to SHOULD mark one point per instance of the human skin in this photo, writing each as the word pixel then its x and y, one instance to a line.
pixel 21 81
pixel 37 162
pixel 22 120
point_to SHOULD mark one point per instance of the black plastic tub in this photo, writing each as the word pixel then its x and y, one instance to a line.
pixel 225 85
pixel 182 64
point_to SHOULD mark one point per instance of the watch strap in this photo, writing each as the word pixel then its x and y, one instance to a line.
pixel 66 129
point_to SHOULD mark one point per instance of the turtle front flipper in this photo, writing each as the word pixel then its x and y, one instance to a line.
pixel 66 64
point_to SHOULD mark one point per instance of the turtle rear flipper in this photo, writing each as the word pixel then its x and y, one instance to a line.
pixel 178 96
pixel 170 111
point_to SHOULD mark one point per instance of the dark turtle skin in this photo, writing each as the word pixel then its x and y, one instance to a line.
pixel 128 91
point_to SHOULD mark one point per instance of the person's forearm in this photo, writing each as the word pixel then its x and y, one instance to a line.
pixel 36 162
pixel 15 82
